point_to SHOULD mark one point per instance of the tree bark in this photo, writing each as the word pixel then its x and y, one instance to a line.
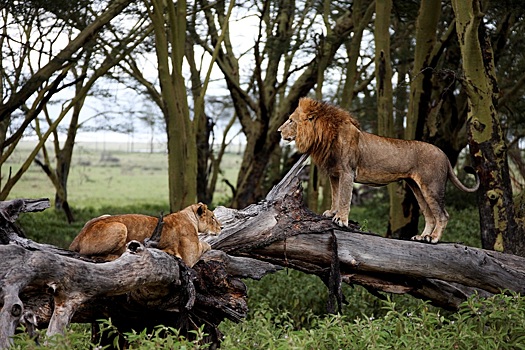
pixel 46 286
pixel 169 26
pixel 499 230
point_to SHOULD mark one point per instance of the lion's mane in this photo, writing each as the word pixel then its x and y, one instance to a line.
pixel 318 128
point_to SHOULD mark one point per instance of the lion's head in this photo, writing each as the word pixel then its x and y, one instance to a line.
pixel 314 125
pixel 207 223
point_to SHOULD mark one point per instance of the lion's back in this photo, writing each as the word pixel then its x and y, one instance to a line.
pixel 180 224
pixel 138 227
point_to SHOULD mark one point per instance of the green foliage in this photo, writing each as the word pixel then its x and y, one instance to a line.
pixel 494 323
pixel 160 338
pixel 302 297
pixel 78 337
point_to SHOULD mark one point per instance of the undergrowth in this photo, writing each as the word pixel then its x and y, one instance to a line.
pixel 492 323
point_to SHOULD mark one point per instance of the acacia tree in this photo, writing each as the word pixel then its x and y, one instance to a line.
pixel 85 74
pixel 410 122
pixel 30 91
pixel 286 59
pixel 169 26
pixel 385 113
pixel 487 143
pixel 188 135
pixel 11 102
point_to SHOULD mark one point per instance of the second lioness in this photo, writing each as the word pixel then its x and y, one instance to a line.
pixel 106 236
pixel 336 143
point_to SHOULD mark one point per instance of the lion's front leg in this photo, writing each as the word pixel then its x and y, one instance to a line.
pixel 334 187
pixel 346 183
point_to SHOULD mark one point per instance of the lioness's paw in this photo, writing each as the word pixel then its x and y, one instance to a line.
pixel 425 238
pixel 329 213
pixel 342 222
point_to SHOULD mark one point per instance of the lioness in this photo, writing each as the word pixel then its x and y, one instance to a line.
pixel 106 236
pixel 334 140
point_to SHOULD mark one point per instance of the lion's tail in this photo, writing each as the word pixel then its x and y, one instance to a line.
pixel 452 176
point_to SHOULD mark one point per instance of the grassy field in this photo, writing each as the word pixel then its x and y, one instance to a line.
pixel 110 176
pixel 287 309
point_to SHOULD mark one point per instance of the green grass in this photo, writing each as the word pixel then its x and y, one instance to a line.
pixel 95 182
pixel 494 323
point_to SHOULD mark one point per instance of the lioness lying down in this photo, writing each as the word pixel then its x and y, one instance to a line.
pixel 106 236
pixel 334 140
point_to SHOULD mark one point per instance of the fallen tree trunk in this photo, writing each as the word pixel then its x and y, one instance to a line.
pixel 281 230
pixel 41 285
pixel 44 286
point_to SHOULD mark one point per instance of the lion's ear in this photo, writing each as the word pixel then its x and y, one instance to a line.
pixel 201 209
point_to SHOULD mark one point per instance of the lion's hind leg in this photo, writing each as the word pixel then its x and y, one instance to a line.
pixel 441 224
pixel 434 198
pixel 430 220
pixel 104 239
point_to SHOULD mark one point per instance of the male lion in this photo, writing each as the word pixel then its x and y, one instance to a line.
pixel 106 236
pixel 334 140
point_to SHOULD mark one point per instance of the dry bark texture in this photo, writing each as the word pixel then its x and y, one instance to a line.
pixel 43 286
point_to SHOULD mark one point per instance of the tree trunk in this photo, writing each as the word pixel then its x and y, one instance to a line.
pixel 487 144
pixel 361 16
pixel 203 129
pixel 40 284
pixel 169 22
pixel 404 210
pixel 385 107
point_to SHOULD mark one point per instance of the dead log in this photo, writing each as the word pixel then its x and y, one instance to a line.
pixel 281 230
pixel 46 286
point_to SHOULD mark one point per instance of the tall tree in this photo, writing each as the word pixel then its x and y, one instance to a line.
pixel 404 211
pixel 63 58
pixel 486 139
pixel 34 74
pixel 169 26
pixel 385 98
pixel 86 73
pixel 284 49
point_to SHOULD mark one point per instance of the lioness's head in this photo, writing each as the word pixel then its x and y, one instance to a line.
pixel 207 223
